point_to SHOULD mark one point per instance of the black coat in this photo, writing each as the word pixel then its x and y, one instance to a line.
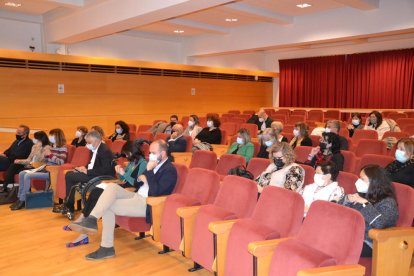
pixel 104 164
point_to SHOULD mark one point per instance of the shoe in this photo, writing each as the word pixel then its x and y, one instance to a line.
pixel 81 242
pixel 57 209
pixel 66 228
pixel 18 206
pixel 14 204
pixel 3 190
pixel 70 215
pixel 87 226
pixel 101 253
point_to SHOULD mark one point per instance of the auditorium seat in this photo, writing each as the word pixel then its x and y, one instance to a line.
pixel 257 165
pixel 249 112
pixel 227 162
pixel 380 160
pixel 161 136
pixel 396 115
pixel 117 145
pixel 288 135
pixel 332 115
pixel 302 153
pixel 300 112
pixel 347 181
pixel 409 129
pixel 182 172
pixel 363 134
pixel 278 214
pixel 279 117
pixel 269 111
pixel 132 127
pixel 316 115
pixel 256 148
pixel 184 121
pixel 285 112
pixel 132 136
pixel 146 136
pixel 366 146
pixel 252 128
pixel 223 137
pixel 244 117
pixel 212 114
pixel 293 119
pixel 203 121
pixel 204 159
pixel 403 122
pixel 189 140
pixel 288 128
pixel 236 198
pixel 143 128
pixel 230 128
pixel 344 132
pixel 309 173
pixel 397 135
pixel 316 139
pixel 234 111
pixel 330 235
pixel 133 224
pixel 349 161
pixel 157 121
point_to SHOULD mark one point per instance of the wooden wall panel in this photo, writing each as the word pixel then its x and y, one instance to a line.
pixel 30 97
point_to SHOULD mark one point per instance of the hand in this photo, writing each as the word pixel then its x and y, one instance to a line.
pixel 350 126
pixel 356 198
pixel 82 169
pixel 173 135
pixel 17 161
pixel 47 152
pixel 2 154
pixel 119 170
pixel 315 150
pixel 143 178
pixel 196 141
pixel 151 165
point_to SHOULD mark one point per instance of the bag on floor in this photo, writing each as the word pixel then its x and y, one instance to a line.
pixel 8 198
pixel 39 199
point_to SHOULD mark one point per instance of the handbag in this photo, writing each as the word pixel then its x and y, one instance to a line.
pixel 10 197
pixel 241 171
pixel 40 199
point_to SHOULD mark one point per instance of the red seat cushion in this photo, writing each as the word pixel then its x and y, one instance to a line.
pixel 133 224
pixel 367 262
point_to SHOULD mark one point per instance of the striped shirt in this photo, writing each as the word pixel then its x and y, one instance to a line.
pixel 58 156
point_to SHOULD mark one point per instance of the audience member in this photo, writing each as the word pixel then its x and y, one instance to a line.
pixel 301 136
pixel 177 142
pixel 19 149
pixel 261 119
pixel 98 129
pixel 121 131
pixel 159 179
pixel 194 127
pixel 243 145
pixel 267 139
pixel 40 146
pixel 283 171
pixel 376 202
pixel 375 122
pixel 163 127
pixel 328 150
pixel 56 155
pixel 356 123
pixel 402 169
pixel 334 126
pixel 277 128
pixel 79 140
pixel 209 135
pixel 324 186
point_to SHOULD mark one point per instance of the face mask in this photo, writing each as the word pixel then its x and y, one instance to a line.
pixel 52 139
pixel 172 123
pixel 210 124
pixel 153 157
pixel 278 162
pixel 35 141
pixel 89 146
pixel 322 146
pixel 19 137
pixel 261 120
pixel 190 123
pixel 318 179
pixel 239 141
pixel 268 143
pixel 361 186
pixel 355 122
pixel 78 134
pixel 327 130
pixel 373 121
pixel 118 130
pixel 400 156
pixel 296 132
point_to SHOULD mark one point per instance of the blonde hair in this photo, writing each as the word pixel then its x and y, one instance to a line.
pixel 277 127
pixel 268 134
pixel 303 128
pixel 286 150
pixel 245 134
pixel 408 146
pixel 59 137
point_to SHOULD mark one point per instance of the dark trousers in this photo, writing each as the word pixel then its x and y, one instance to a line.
pixel 4 163
pixel 366 251
pixel 11 171
pixel 73 178
pixel 91 201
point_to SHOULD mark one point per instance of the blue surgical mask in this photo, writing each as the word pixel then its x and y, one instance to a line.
pixel 89 147
pixel 52 139
pixel 239 141
pixel 355 122
pixel 153 157
pixel 118 130
pixel 210 124
pixel 268 143
pixel 400 156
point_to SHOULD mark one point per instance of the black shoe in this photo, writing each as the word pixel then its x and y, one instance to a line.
pixel 14 204
pixel 18 206
pixel 57 209
pixel 101 253
pixel 86 226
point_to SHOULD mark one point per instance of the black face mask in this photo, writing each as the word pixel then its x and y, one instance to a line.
pixel 322 146
pixel 19 137
pixel 278 162
pixel 172 123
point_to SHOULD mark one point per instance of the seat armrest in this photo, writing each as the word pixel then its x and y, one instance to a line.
pixel 157 209
pixel 187 218
pixel 338 270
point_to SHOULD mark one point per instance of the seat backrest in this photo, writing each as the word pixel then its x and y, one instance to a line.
pixel 71 152
pixel 409 129
pixel 202 121
pixel 257 165
pixel 293 119
pixel 380 160
pixel 161 136
pixel 396 115
pixel 234 111
pixel 280 209
pixel 117 145
pixel 132 136
pixel 301 112
pixel 81 157
pixel 405 200
pixel 279 117
pixel 347 181
pixel 143 128
pixel 237 195
pixel 349 161
pixel 288 135
pixel 223 137
pixel 332 114
pixel 316 115
pixel 309 173
pixel 146 136
pixel 249 112
pixel 364 134
pixel 229 161
pixel 184 121
pixel 366 146
pixel 202 185
pixel 230 128
pixel 302 153
pixel 335 230
pixel 182 172
pixel 256 148
pixel 252 128
pixel 132 127
pixel 315 140
pixel 397 135
pixel 189 140
pixel 204 159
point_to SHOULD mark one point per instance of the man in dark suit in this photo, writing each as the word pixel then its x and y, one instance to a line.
pixel 20 149
pixel 177 142
pixel 262 120
pixel 101 164
pixel 159 179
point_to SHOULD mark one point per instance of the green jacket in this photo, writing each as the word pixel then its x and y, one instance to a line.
pixel 246 150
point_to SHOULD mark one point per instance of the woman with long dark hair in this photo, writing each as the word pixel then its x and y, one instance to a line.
pixel 375 122
pixel 121 131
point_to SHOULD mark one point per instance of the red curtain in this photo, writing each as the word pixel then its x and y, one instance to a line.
pixel 367 80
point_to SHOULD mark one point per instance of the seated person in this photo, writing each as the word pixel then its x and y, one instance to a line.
pixel 194 127
pixel 243 145
pixel 98 129
pixel 334 126
pixel 100 164
pixel 261 119
pixel 163 127
pixel 277 128
pixel 402 169
pixel 121 131
pixel 19 149
pixel 324 186
pixel 41 145
pixel 177 142
pixel 79 140
pixel 209 135
pixel 266 140
pixel 301 136
pixel 356 123
pixel 136 166
pixel 283 171
pixel 56 155
pixel 376 202
pixel 375 122
pixel 328 150
pixel 159 179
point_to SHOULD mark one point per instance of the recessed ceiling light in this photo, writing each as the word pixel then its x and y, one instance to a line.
pixel 178 31
pixel 303 5
pixel 231 19
pixel 12 4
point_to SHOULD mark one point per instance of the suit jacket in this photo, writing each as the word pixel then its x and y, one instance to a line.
pixel 160 184
pixel 178 145
pixel 255 120
pixel 19 151
pixel 103 163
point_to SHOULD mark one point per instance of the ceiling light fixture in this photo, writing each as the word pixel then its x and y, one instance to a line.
pixel 178 31
pixel 231 19
pixel 303 5
pixel 12 4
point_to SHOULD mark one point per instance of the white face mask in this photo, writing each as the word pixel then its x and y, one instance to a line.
pixel 261 120
pixel 239 141
pixel 35 141
pixel 296 132
pixel 52 139
pixel 361 186
pixel 318 179
pixel 400 156
pixel 355 122
pixel 210 124
pixel 190 123
pixel 327 130
pixel 89 147
pixel 268 143
pixel 153 157
pixel 118 130
pixel 78 134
